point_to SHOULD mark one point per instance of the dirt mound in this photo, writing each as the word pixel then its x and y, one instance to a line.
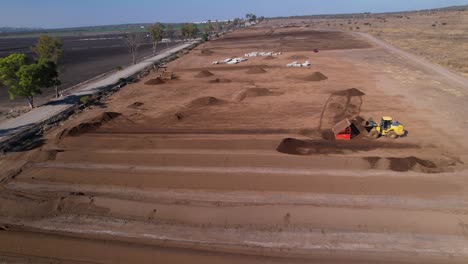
pixel 135 105
pixel 92 125
pixel 154 81
pixel 206 52
pixel 204 74
pixel 256 70
pixel 205 101
pixel 218 80
pixel 298 57
pixel 252 92
pixel 350 92
pixel 316 77
pixel 411 163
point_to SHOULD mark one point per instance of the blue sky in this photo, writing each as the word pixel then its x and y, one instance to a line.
pixel 71 13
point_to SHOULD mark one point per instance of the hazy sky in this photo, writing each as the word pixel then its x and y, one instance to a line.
pixel 71 13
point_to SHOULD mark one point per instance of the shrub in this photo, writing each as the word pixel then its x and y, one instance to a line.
pixel 85 99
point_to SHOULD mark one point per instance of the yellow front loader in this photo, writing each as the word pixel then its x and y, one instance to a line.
pixel 387 127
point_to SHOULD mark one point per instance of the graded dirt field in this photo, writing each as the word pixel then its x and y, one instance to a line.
pixel 235 164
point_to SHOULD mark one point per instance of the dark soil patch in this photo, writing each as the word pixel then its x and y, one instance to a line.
pixel 269 58
pixel 218 80
pixel 256 70
pixel 310 147
pixel 155 81
pixel 135 105
pixel 204 74
pixel 350 92
pixel 206 52
pixel 316 77
pixel 92 125
pixel 409 163
pixel 372 161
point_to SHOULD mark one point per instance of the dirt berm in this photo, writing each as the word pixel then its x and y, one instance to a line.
pixel 204 74
pixel 154 81
pixel 315 77
pixel 92 125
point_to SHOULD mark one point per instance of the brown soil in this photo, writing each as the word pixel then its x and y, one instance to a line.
pixel 204 74
pixel 298 57
pixel 349 92
pixel 256 70
pixel 206 52
pixel 218 80
pixel 89 126
pixel 410 163
pixel 252 92
pixel 269 58
pixel 155 81
pixel 300 147
pixel 205 101
pixel 311 147
pixel 316 77
pixel 135 105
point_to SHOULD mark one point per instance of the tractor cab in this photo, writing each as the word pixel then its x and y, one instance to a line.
pixel 386 123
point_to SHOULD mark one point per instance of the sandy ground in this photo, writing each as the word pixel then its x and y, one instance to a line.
pixel 437 35
pixel 233 164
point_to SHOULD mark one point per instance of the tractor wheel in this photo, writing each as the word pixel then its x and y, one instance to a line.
pixel 392 135
pixel 374 134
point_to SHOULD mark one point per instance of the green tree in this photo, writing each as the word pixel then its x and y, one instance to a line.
pixel 157 32
pixel 189 31
pixel 48 48
pixel 26 80
pixel 8 68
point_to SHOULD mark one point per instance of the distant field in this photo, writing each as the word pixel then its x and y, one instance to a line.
pixel 86 31
pixel 437 35
pixel 84 57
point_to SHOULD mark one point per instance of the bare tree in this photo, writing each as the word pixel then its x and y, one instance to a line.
pixel 133 41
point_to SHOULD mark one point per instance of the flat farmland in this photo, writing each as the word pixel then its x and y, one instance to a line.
pixel 84 57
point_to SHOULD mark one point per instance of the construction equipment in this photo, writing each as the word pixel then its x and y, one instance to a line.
pixel 387 127
pixel 346 130
pixel 167 75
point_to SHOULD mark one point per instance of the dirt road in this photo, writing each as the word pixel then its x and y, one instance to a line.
pixel 234 163
pixel 454 78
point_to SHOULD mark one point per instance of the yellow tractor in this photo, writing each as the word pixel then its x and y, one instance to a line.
pixel 387 127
